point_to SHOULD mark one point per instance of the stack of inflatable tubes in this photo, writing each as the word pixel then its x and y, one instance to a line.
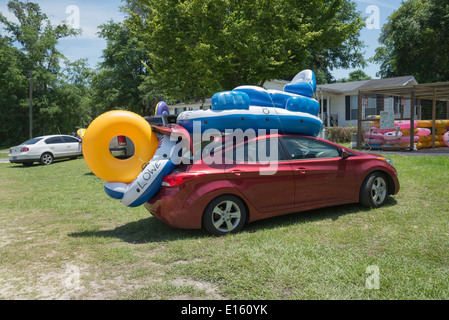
pixel 426 128
pixel 377 136
pixel 250 107
pixel 134 180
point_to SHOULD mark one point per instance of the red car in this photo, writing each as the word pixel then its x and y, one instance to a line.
pixel 309 173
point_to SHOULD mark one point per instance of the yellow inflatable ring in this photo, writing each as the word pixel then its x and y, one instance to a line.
pixel 98 136
pixel 428 123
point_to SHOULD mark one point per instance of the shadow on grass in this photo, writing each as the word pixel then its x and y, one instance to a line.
pixel 333 213
pixel 145 230
pixel 150 229
pixel 37 164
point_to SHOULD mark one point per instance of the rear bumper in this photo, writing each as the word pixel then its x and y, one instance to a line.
pixel 23 159
pixel 168 206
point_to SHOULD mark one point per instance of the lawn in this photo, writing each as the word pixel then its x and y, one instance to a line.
pixel 62 237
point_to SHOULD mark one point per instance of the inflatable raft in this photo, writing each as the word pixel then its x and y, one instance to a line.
pixel 250 107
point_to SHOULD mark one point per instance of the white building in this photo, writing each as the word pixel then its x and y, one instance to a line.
pixel 340 100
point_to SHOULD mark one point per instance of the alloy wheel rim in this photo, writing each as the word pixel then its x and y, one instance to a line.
pixel 46 159
pixel 226 216
pixel 378 190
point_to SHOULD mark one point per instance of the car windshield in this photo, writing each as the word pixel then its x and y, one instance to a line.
pixel 172 119
pixel 32 141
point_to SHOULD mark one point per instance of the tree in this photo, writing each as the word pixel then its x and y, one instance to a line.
pixel 13 84
pixel 415 41
pixel 199 47
pixel 36 56
pixel 357 75
pixel 116 83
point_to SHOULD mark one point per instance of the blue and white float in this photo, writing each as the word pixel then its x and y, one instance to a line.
pixel 149 181
pixel 250 107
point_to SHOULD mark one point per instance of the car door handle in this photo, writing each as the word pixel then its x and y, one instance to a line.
pixel 301 170
pixel 236 172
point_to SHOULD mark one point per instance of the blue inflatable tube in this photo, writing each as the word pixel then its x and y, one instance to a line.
pixel 149 181
pixel 252 107
pixel 254 118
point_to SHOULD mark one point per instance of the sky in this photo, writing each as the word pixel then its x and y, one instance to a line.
pixel 89 14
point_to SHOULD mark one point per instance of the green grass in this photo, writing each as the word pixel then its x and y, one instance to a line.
pixel 63 237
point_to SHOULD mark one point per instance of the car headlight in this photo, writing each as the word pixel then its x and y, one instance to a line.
pixel 389 161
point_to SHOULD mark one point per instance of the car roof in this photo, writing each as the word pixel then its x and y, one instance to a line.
pixel 53 135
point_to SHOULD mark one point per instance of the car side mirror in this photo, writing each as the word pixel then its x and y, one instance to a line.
pixel 344 154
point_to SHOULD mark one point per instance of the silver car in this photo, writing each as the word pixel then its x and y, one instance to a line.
pixel 45 149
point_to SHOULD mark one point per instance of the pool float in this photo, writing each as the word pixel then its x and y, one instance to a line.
pixel 252 107
pixel 405 124
pixel 149 181
pixel 424 132
pixel 393 138
pixel 438 144
pixel 406 132
pixel 428 123
pixel 376 142
pixel 80 133
pixel 392 135
pixel 446 139
pixel 373 134
pixel 161 108
pixel 406 139
pixel 135 180
pixel 100 133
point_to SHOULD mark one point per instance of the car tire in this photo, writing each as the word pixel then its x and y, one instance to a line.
pixel 46 158
pixel 374 191
pixel 225 214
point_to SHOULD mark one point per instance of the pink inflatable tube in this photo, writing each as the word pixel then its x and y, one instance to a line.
pixel 423 132
pixel 406 139
pixel 374 141
pixel 374 135
pixel 405 124
pixel 394 142
pixel 391 136
pixel 446 138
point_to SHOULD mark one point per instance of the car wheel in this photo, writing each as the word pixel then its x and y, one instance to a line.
pixel 225 214
pixel 46 158
pixel 374 191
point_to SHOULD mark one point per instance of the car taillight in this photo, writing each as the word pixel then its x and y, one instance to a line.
pixel 176 179
pixel 24 149
pixel 121 140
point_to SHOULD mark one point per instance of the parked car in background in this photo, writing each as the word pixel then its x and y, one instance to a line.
pixel 46 149
pixel 121 147
pixel 309 173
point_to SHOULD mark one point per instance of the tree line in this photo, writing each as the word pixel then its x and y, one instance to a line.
pixel 186 50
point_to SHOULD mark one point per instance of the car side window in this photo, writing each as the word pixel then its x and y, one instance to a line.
pixel 260 151
pixel 70 139
pixel 54 140
pixel 299 148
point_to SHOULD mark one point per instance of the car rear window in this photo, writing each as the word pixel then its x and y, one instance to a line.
pixel 32 141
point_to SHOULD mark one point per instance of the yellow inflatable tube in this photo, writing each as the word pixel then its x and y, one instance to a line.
pixel 100 133
pixel 428 123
